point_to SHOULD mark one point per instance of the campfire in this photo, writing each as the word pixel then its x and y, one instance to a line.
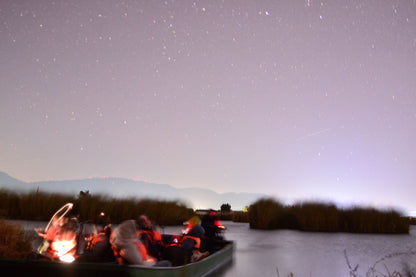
pixel 64 247
pixel 60 238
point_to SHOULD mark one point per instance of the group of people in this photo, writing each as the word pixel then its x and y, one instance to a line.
pixel 138 242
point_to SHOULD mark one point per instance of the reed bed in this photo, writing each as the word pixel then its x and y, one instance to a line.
pixel 41 206
pixel 240 216
pixel 235 216
pixel 323 217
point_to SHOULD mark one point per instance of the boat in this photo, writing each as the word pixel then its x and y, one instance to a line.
pixel 208 266
pixel 63 261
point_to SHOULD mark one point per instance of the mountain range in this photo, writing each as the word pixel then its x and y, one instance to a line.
pixel 197 198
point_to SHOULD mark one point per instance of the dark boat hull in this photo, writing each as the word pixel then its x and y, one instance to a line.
pixel 205 267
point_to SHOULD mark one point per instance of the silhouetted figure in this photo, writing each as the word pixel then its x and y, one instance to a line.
pixel 213 229
pixel 129 249
pixel 99 249
pixel 151 238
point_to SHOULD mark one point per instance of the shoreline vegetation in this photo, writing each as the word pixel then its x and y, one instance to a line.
pixel 15 243
pixel 40 206
pixel 264 214
pixel 269 214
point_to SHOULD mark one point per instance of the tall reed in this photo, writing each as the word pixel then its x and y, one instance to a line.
pixel 240 216
pixel 41 206
pixel 325 217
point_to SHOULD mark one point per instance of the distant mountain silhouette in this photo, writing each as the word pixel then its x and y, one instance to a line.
pixel 196 198
pixel 6 179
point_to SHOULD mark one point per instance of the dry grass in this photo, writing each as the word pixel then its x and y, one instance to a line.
pixel 380 268
pixel 14 243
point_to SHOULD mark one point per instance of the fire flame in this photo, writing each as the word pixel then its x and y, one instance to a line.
pixel 59 240
pixel 64 247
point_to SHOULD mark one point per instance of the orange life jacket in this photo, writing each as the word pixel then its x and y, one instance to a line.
pixel 96 239
pixel 196 239
pixel 152 235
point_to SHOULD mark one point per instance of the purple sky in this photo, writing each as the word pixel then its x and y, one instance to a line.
pixel 297 99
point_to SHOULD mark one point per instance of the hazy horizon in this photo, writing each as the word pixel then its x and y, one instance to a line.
pixel 188 198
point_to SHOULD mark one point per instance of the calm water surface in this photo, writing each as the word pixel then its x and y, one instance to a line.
pixel 281 252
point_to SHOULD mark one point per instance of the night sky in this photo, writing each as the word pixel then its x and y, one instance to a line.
pixel 300 100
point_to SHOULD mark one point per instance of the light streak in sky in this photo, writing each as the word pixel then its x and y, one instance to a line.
pixel 314 134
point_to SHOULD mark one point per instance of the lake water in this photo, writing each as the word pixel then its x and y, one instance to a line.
pixel 281 252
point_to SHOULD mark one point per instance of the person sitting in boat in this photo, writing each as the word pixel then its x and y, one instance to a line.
pixel 99 248
pixel 128 249
pixel 213 228
pixel 212 224
pixel 187 247
pixel 192 235
pixel 151 238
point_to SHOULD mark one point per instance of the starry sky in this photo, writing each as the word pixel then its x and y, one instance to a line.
pixel 297 99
